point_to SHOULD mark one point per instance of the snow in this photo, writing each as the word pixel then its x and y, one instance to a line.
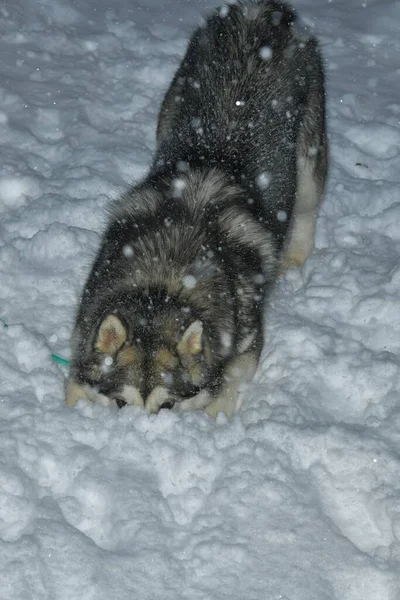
pixel 298 496
pixel 266 53
pixel 263 180
pixel 189 281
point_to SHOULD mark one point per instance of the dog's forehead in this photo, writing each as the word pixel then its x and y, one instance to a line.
pixel 129 355
pixel 171 327
pixel 164 359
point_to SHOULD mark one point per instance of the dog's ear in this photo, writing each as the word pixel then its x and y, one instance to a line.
pixel 111 335
pixel 191 342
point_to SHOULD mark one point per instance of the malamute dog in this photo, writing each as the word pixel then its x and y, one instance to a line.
pixel 172 313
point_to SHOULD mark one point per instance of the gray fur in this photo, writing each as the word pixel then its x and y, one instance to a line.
pixel 234 186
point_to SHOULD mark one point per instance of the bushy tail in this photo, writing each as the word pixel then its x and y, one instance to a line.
pixel 281 13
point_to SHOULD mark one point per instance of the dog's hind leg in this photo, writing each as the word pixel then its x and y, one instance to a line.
pixel 240 371
pixel 309 194
pixel 312 166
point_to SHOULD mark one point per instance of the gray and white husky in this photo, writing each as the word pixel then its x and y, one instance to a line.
pixel 172 313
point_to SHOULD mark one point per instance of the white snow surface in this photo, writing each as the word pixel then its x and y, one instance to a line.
pixel 298 496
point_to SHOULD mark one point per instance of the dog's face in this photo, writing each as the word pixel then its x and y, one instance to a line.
pixel 152 363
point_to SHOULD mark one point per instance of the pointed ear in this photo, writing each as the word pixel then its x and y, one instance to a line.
pixel 191 342
pixel 111 335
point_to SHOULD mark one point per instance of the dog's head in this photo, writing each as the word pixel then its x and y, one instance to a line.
pixel 151 360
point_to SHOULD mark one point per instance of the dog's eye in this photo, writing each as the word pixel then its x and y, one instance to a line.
pixel 120 402
pixel 168 404
pixel 193 390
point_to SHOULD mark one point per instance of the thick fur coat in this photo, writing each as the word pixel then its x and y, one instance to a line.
pixel 172 314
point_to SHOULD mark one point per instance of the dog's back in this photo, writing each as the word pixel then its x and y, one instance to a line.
pixel 238 102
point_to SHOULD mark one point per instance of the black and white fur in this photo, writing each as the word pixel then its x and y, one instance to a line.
pixel 172 312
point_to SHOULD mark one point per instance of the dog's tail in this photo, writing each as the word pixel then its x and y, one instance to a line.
pixel 280 13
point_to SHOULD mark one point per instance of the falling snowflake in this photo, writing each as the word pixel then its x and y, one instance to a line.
pixel 276 17
pixel 182 166
pixel 263 180
pixel 167 378
pixel 189 281
pixel 223 11
pixel 178 185
pixel 127 251
pixel 259 278
pixel 266 53
pixel 226 339
pixel 196 122
pixel 107 362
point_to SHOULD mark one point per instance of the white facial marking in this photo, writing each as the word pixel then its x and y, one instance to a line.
pixel 197 402
pixel 156 399
pixel 132 396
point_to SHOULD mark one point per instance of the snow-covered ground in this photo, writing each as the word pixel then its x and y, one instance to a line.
pixel 296 498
